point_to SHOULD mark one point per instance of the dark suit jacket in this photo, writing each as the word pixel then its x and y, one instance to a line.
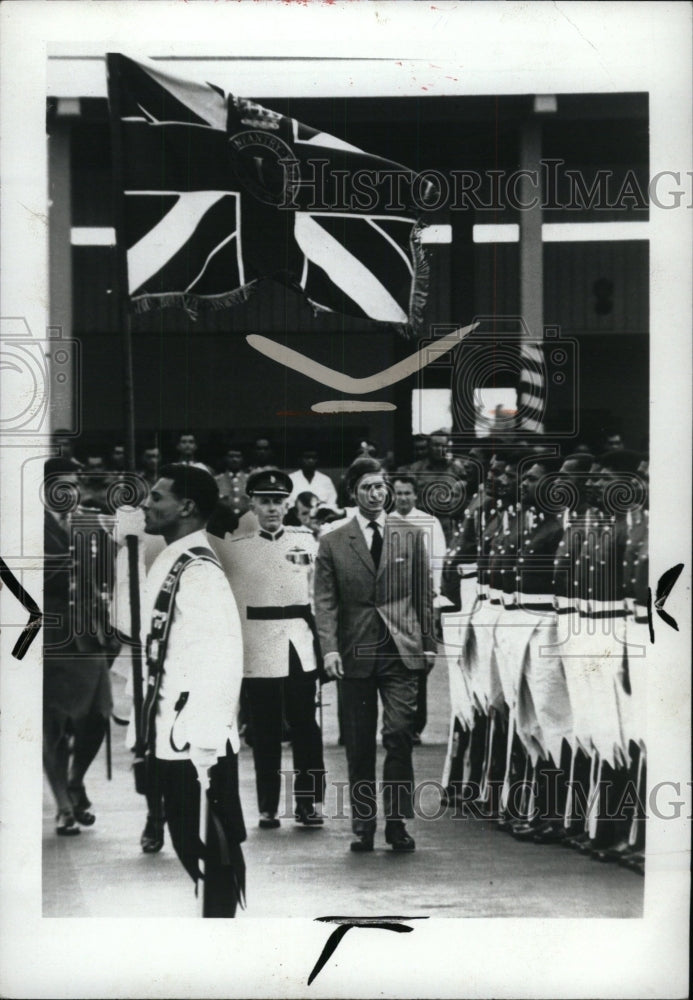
pixel 356 609
pixel 79 576
pixel 75 667
pixel 57 569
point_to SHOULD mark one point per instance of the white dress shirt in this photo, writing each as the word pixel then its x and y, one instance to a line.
pixel 434 536
pixel 321 485
pixel 363 523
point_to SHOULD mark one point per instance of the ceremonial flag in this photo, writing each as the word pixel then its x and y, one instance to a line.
pixel 217 192
pixel 531 387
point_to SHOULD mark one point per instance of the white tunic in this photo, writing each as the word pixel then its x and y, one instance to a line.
pixel 268 574
pixel 203 656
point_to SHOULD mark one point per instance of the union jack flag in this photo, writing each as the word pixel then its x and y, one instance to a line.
pixel 217 192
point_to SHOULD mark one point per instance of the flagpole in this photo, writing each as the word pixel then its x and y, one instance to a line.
pixel 124 323
pixel 128 389
pixel 121 273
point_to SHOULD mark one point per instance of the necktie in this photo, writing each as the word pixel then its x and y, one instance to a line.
pixel 377 542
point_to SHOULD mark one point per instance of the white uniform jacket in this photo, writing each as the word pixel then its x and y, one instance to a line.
pixel 204 655
pixel 272 580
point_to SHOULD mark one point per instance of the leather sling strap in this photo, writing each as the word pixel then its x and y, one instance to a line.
pixel 160 628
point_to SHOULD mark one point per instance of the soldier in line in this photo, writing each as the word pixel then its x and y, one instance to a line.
pixel 540 702
pixel 459 586
pixel 629 852
pixel 612 482
pixel 506 754
pixel 476 659
pixel 271 573
pixel 576 519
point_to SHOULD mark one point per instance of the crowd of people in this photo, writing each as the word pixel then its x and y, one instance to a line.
pixel 250 585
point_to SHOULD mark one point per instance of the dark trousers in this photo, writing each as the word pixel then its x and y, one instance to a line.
pixel 613 824
pixel 224 868
pixel 421 705
pixel 154 794
pixel 271 701
pixel 69 747
pixel 398 688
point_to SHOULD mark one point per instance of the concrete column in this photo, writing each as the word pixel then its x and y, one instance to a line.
pixel 62 372
pixel 531 259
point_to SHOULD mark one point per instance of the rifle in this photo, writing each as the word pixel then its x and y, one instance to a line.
pixel 135 631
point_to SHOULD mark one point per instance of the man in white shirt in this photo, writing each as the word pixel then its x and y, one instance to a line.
pixel 187 451
pixel 406 491
pixel 309 479
pixel 405 507
pixel 195 662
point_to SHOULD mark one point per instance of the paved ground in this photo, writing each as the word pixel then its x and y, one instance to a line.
pixel 462 867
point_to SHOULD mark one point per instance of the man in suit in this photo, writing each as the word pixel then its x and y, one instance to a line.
pixel 374 621
pixel 76 683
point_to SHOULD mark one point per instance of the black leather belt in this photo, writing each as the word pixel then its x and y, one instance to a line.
pixel 536 607
pixel 278 613
pixel 606 614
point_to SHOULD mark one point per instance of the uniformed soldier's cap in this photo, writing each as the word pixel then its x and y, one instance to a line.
pixel 268 481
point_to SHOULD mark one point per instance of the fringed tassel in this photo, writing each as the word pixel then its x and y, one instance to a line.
pixel 419 286
pixel 237 863
pixel 232 865
pixel 193 304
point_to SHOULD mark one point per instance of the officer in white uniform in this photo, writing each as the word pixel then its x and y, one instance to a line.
pixel 271 574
